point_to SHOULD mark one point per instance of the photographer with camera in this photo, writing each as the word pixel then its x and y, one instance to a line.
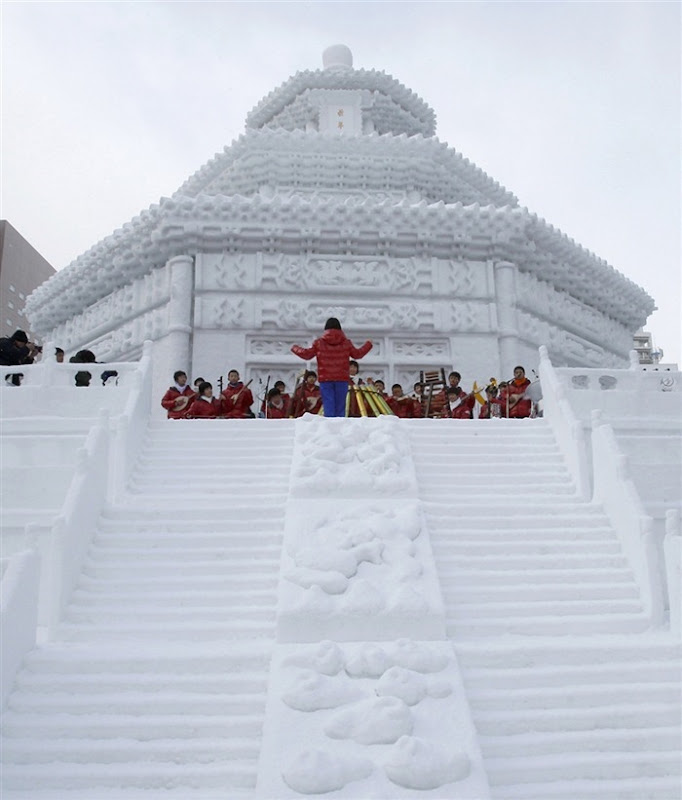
pixel 16 350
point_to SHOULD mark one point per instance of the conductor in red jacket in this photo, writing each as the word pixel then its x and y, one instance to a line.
pixel 333 351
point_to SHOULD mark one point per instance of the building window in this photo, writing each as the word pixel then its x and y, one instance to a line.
pixel 22 296
pixel 11 288
pixel 10 304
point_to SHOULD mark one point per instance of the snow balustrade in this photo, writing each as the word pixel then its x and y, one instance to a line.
pixel 102 466
pixel 577 402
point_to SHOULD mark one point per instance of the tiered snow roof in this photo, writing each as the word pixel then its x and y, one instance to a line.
pixel 215 223
pixel 388 105
pixel 411 166
pixel 296 191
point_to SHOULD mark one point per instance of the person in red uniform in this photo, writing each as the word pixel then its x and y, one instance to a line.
pixel 236 399
pixel 286 398
pixel 276 408
pixel 493 405
pixel 179 396
pixel 401 405
pixel 307 399
pixel 333 351
pixel 417 398
pixel 515 395
pixel 204 405
pixel 459 404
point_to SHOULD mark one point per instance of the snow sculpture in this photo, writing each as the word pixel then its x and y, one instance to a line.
pixel 340 714
pixel 319 771
pixel 418 764
pixel 339 181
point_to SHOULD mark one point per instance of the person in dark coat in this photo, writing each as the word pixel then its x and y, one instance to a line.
pixel 15 350
pixel 333 351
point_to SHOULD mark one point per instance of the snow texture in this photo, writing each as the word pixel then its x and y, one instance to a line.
pixel 351 458
pixel 351 720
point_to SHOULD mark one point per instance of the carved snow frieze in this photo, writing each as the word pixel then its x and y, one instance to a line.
pixel 465 317
pixel 270 346
pixel 539 331
pixel 421 349
pixel 543 300
pixel 118 343
pixel 394 275
pixel 226 271
pixel 127 303
pixel 222 311
pixel 465 278
pixel 294 313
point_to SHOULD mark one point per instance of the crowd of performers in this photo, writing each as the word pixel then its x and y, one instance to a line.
pixel 342 393
pixel 366 397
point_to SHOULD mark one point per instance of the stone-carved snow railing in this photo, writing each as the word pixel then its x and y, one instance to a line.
pixel 568 429
pixel 615 490
pixel 672 552
pixel 19 582
pixel 73 529
pixel 131 425
pixel 365 696
pixel 48 389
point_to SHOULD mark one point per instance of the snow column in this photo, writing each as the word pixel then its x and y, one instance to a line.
pixel 180 309
pixel 365 695
pixel 505 297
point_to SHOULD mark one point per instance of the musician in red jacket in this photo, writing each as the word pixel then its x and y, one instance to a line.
pixel 401 405
pixel 307 398
pixel 333 351
pixel 493 405
pixel 276 408
pixel 179 396
pixel 515 395
pixel 204 405
pixel 459 404
pixel 236 399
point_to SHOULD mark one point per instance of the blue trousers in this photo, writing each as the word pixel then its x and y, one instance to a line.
pixel 334 398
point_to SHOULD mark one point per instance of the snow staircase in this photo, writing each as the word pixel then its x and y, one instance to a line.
pixel 572 697
pixel 156 685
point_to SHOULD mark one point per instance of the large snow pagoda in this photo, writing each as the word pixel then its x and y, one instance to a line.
pixel 339 200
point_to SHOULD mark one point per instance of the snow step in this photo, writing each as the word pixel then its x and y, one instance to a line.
pixel 549 625
pixel 94 776
pixel 574 696
pixel 202 750
pixel 621 715
pixel 455 594
pixel 130 702
pixel 177 631
pixel 644 788
pixel 146 727
pixel 572 766
pixel 601 740
pixel 560 608
pixel 96 683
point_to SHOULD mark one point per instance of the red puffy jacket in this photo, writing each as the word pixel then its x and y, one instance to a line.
pixel 333 351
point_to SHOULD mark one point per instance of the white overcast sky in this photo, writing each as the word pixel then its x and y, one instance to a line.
pixel 573 106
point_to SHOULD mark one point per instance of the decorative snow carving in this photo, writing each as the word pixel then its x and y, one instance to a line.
pixel 222 311
pixel 423 349
pixel 416 763
pixel 379 720
pixel 312 691
pixel 317 771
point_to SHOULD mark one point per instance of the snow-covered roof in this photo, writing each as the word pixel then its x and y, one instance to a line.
pixel 373 163
pixel 215 223
pixel 390 106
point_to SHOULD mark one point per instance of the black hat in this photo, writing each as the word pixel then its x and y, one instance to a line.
pixel 332 322
pixel 20 336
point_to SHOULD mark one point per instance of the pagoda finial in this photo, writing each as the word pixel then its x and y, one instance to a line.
pixel 337 55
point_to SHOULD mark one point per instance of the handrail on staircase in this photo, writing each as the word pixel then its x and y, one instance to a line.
pixel 568 429
pixel 18 613
pixel 672 554
pixel 131 426
pixel 615 490
pixel 73 528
